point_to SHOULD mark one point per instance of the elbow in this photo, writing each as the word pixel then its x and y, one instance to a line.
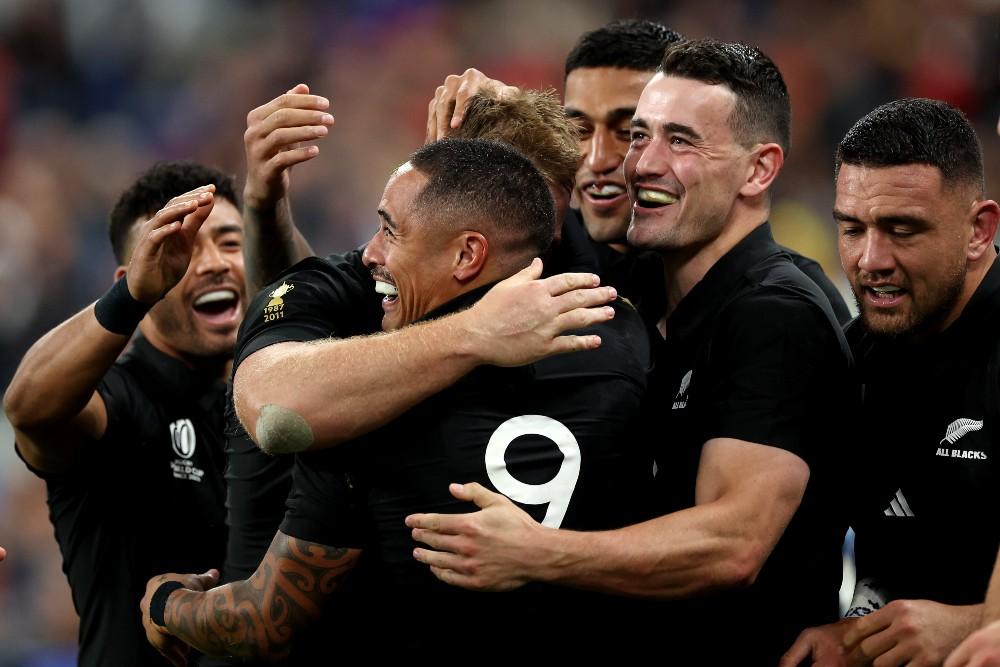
pixel 280 430
pixel 741 566
pixel 16 407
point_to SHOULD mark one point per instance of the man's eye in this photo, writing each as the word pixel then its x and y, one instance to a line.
pixel 638 136
pixel 679 141
pixel 850 231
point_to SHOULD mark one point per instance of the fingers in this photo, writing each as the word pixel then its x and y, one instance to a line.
pixel 581 318
pixel 566 344
pixel 290 100
pixel 566 282
pixel 453 578
pixel 451 99
pixel 476 493
pixel 440 559
pixel 441 523
pixel 435 540
pixel 207 580
pixel 867 625
pixel 874 646
pixel 799 651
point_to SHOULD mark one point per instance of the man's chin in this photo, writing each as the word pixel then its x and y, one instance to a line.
pixel 605 229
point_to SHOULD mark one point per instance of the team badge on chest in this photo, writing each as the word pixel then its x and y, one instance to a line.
pixel 183 441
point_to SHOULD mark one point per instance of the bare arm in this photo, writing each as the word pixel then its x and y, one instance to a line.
pixel 52 402
pixel 274 140
pixel 293 396
pixel 257 618
pixel 746 495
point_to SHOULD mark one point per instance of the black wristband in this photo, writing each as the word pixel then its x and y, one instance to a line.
pixel 118 312
pixel 158 603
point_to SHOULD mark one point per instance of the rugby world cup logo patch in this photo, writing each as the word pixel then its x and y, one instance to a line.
pixel 182 437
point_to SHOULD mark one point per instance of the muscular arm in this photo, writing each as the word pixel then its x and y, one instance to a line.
pixel 295 396
pixel 746 495
pixel 272 242
pixel 52 401
pixel 259 618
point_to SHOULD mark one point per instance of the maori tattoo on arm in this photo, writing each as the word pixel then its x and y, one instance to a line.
pixel 258 618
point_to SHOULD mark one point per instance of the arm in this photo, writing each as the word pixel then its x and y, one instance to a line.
pixel 257 618
pixel 746 495
pixel 295 396
pixel 273 139
pixel 447 108
pixel 982 648
pixel 52 402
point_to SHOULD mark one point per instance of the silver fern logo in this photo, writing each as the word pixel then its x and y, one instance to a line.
pixel 960 427
pixel 681 399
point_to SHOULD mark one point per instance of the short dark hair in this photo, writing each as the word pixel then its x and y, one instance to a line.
pixel 472 182
pixel 533 122
pixel 763 112
pixel 626 44
pixel 915 131
pixel 153 189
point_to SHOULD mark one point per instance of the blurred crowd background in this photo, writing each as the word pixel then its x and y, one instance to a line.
pixel 94 91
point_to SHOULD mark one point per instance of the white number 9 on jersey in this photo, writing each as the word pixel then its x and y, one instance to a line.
pixel 558 491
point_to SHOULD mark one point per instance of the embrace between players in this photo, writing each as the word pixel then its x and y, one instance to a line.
pixel 666 454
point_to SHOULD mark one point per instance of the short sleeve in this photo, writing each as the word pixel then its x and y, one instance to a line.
pixel 316 299
pixel 325 505
pixel 772 359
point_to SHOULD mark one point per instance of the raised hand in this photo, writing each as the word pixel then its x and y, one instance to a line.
pixel 447 108
pixel 276 138
pixel 165 244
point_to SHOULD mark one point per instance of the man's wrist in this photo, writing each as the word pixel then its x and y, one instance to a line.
pixel 458 334
pixel 158 603
pixel 118 310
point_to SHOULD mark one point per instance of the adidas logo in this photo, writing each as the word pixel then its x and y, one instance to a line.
pixel 960 427
pixel 898 506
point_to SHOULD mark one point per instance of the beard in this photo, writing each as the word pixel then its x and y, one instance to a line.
pixel 921 318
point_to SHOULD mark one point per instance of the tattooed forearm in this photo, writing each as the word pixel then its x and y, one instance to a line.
pixel 258 618
pixel 272 243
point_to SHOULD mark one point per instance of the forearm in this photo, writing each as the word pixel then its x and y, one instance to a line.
pixel 259 618
pixel 272 242
pixel 681 554
pixel 47 401
pixel 344 388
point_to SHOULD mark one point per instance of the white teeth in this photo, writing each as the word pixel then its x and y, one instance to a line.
pixel 886 289
pixel 607 190
pixel 216 295
pixel 385 288
pixel 655 196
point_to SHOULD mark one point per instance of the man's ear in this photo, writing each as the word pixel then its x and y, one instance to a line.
pixel 472 252
pixel 984 216
pixel 763 170
pixel 119 272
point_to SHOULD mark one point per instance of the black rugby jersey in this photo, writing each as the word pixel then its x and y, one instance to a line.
pixel 924 471
pixel 561 437
pixel 147 498
pixel 754 352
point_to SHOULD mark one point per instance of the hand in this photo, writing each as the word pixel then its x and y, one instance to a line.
pixel 981 649
pixel 456 91
pixel 484 550
pixel 520 320
pixel 910 632
pixel 163 252
pixel 273 140
pixel 3 553
pixel 824 645
pixel 170 647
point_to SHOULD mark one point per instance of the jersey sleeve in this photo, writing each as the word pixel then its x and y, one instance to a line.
pixel 317 298
pixel 325 505
pixel 772 358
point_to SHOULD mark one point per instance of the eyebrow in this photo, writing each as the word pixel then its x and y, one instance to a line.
pixel 840 216
pixel 226 228
pixel 614 116
pixel 388 218
pixel 675 128
pixel 910 220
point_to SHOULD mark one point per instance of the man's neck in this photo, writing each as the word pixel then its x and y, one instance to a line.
pixel 220 367
pixel 685 268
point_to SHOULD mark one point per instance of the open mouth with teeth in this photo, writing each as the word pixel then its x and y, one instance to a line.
pixel 645 198
pixel 605 192
pixel 884 295
pixel 220 306
pixel 391 294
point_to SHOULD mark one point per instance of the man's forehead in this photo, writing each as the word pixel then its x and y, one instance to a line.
pixel 596 89
pixel 675 95
pixel 898 185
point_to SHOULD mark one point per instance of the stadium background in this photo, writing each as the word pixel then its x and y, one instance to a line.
pixel 93 91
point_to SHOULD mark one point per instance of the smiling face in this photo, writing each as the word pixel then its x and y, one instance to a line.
pixel 407 259
pixel 684 168
pixel 200 317
pixel 904 243
pixel 602 100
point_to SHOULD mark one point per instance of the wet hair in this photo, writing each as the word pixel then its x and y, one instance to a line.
pixel 915 131
pixel 487 186
pixel 533 122
pixel 153 189
pixel 763 112
pixel 626 44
